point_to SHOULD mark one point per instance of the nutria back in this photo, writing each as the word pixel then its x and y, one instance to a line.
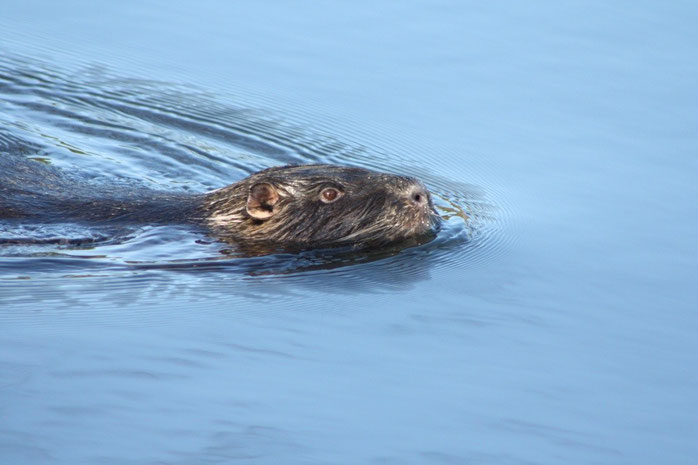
pixel 33 190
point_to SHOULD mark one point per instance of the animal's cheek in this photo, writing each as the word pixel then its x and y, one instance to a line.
pixel 303 209
pixel 338 213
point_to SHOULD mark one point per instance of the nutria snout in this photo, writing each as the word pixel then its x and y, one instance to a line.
pixel 296 206
pixel 322 205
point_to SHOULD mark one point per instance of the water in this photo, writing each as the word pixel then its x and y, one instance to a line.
pixel 552 321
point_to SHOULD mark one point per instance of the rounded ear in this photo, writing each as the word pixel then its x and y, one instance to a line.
pixel 261 200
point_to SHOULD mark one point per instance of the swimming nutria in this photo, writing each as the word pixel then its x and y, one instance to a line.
pixel 299 206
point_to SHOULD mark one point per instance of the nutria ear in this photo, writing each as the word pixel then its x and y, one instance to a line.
pixel 261 200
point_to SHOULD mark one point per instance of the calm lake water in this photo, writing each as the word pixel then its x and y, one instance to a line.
pixel 553 321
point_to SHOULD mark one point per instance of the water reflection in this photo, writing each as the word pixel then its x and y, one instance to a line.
pixel 96 130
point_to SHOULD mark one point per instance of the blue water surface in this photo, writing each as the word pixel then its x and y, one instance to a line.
pixel 556 324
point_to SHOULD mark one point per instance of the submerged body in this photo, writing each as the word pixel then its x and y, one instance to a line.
pixel 290 206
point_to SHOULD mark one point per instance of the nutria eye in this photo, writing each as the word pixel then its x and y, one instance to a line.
pixel 330 194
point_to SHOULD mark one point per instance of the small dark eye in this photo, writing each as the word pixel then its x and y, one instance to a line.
pixel 329 195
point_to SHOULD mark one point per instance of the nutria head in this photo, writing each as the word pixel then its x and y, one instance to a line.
pixel 322 205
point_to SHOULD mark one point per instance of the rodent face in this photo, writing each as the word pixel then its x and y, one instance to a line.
pixel 325 205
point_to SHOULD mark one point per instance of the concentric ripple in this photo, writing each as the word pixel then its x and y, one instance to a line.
pixel 98 128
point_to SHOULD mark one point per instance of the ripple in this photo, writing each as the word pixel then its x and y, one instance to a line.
pixel 104 128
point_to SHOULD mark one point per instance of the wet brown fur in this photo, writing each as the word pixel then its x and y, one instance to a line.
pixel 375 207
pixel 280 205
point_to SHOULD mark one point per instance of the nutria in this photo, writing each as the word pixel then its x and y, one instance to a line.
pixel 300 206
